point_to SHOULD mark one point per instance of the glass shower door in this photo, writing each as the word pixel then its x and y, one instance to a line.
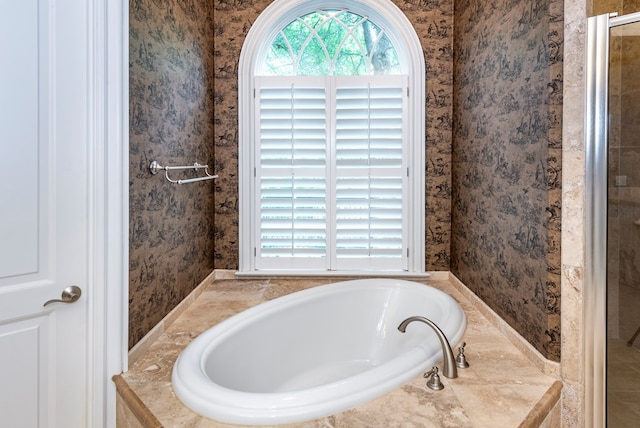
pixel 611 290
pixel 623 228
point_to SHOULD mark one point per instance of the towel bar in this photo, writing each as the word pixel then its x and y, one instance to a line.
pixel 155 167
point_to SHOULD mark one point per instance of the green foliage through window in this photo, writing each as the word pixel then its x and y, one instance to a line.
pixel 331 42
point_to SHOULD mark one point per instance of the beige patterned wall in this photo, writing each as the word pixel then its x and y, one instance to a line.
pixel 171 121
pixel 433 22
pixel 507 161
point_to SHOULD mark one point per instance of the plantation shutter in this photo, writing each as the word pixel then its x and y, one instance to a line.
pixel 331 173
pixel 291 173
pixel 371 173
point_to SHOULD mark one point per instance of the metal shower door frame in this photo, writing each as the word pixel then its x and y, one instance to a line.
pixel 595 280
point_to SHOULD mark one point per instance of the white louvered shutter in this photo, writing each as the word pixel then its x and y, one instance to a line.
pixel 331 173
pixel 291 173
pixel 371 173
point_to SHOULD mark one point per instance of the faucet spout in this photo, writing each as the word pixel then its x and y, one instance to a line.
pixel 449 362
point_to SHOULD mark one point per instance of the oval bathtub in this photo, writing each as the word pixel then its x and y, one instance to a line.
pixel 315 352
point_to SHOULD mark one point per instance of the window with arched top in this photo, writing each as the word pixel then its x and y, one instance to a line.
pixel 331 97
pixel 330 43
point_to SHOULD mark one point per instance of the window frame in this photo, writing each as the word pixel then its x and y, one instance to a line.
pixel 401 33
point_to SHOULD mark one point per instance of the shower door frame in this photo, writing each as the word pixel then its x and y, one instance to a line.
pixel 595 279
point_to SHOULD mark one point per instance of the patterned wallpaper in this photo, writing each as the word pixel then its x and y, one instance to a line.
pixel 433 22
pixel 507 161
pixel 503 191
pixel 171 121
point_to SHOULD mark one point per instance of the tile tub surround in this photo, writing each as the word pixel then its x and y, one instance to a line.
pixel 503 387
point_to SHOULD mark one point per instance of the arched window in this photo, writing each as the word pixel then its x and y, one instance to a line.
pixel 331 99
pixel 330 43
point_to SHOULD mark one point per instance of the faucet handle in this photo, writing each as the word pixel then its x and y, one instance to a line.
pixel 461 359
pixel 434 379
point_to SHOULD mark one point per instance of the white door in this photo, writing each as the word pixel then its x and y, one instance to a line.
pixel 44 212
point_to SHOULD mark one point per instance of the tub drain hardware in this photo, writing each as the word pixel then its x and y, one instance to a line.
pixel 434 379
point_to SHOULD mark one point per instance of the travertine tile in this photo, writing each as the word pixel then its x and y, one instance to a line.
pixel 499 389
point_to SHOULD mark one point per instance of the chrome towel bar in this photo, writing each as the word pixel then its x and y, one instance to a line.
pixel 155 167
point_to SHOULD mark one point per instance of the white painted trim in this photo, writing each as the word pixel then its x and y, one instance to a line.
pixel 402 34
pixel 332 273
pixel 96 286
pixel 109 208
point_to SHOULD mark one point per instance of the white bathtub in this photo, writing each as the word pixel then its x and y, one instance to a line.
pixel 315 352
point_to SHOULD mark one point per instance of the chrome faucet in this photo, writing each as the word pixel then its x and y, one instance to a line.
pixel 449 369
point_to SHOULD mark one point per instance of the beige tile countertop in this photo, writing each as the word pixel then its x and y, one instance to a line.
pixel 508 384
